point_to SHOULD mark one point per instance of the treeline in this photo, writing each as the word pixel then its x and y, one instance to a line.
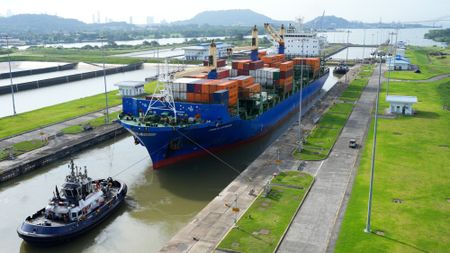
pixel 155 32
pixel 442 35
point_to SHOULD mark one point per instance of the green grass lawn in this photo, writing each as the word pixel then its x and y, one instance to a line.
pixel 260 228
pixel 100 121
pixel 22 147
pixel 429 65
pixel 52 114
pixel 56 113
pixel 412 164
pixel 322 138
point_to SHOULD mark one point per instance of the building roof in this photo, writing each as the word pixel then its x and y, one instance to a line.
pixel 391 62
pixel 401 99
pixel 205 46
pixel 133 84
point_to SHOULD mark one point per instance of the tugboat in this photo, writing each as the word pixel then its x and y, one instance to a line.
pixel 341 69
pixel 82 204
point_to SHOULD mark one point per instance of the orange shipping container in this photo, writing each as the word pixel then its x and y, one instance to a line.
pixel 190 97
pixel 255 88
pixel 197 97
pixel 205 98
pixel 269 59
pixel 285 66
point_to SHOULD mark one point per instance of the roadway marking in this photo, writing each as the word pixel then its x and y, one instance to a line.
pixel 320 166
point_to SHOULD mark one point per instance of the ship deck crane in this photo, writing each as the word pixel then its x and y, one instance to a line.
pixel 255 44
pixel 212 61
pixel 277 37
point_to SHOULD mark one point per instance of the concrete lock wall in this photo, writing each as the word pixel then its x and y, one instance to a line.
pixel 38 71
pixel 65 79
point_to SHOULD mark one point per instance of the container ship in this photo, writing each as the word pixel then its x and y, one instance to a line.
pixel 223 107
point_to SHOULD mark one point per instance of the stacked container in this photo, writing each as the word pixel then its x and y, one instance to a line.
pixel 220 63
pixel 267 77
pixel 179 87
pixel 240 67
pixel 273 60
pixel 286 76
pixel 311 67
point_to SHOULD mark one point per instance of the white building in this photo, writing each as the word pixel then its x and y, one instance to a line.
pixel 398 63
pixel 302 43
pixel 201 51
pixel 130 88
pixel 401 104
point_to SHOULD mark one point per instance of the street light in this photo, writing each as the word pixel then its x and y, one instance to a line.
pixel 104 81
pixel 346 55
pixel 300 142
pixel 10 74
pixel 372 168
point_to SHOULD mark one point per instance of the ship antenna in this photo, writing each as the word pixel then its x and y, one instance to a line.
pixel 72 172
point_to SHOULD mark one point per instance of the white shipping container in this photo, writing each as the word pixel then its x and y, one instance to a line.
pixel 183 96
pixel 186 80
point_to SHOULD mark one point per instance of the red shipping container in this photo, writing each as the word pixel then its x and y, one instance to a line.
pixel 221 63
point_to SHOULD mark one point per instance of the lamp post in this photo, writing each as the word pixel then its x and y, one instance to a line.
pixel 300 142
pixel 346 55
pixel 372 168
pixel 10 74
pixel 104 82
pixel 364 46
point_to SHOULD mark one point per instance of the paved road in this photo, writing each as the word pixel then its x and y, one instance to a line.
pixel 316 224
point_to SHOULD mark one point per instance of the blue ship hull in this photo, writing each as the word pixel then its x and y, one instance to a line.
pixel 171 144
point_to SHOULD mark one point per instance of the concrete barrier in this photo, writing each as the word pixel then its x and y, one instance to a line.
pixel 48 156
pixel 65 79
pixel 29 72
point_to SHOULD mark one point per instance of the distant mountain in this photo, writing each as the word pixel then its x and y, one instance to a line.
pixel 241 17
pixel 42 23
pixel 333 22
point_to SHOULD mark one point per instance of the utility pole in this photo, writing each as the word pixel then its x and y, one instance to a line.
pixel 104 82
pixel 10 75
pixel 346 56
pixel 372 168
pixel 391 60
pixel 364 46
pixel 300 141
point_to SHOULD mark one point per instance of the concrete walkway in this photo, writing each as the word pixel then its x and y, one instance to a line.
pixel 49 132
pixel 313 226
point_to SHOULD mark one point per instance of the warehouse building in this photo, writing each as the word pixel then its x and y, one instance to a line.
pixel 200 52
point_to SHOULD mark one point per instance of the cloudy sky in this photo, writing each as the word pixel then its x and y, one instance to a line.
pixel 172 10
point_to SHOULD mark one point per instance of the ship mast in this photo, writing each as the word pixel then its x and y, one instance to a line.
pixel 162 98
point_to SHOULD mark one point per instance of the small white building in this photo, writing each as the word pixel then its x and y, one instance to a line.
pixel 401 104
pixel 398 63
pixel 130 88
pixel 201 51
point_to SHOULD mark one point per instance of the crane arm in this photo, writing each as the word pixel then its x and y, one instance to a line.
pixel 272 33
pixel 277 37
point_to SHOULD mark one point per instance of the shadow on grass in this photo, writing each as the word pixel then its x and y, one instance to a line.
pixel 400 242
pixel 253 235
pixel 426 115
